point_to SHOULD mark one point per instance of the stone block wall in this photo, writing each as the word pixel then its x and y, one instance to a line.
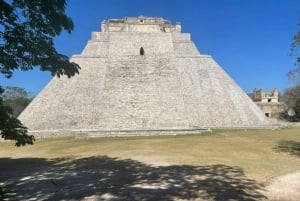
pixel 170 87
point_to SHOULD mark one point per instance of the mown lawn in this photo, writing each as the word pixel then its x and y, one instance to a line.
pixel 263 153
pixel 258 155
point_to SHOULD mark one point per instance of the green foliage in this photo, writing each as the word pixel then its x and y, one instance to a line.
pixel 16 98
pixel 27 30
pixel 290 95
pixel 297 107
pixel 11 127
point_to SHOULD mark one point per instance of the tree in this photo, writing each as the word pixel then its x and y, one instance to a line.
pixel 291 97
pixel 11 127
pixel 16 98
pixel 295 47
pixel 297 107
pixel 27 30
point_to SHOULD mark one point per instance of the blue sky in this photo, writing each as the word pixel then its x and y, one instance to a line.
pixel 250 39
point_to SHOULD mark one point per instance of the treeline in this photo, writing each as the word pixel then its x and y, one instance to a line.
pixel 16 98
pixel 291 97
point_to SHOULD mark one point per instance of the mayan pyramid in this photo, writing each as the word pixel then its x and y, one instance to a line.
pixel 141 74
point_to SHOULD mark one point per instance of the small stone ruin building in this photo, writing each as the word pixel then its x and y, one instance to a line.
pixel 268 102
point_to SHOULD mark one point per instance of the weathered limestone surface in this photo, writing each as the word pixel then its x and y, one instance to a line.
pixel 171 87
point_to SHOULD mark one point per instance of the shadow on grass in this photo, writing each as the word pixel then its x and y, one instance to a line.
pixel 291 147
pixel 105 178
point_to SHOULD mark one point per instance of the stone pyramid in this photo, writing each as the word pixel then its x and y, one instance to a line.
pixel 141 75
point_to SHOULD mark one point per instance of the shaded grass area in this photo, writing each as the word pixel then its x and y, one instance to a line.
pixel 222 165
pixel 289 146
pixel 105 177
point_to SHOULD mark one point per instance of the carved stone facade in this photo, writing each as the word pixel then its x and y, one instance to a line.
pixel 141 75
pixel 140 24
pixel 268 102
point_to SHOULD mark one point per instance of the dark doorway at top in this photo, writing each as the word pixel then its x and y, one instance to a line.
pixel 142 51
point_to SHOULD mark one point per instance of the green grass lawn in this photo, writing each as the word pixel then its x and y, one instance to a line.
pixel 259 155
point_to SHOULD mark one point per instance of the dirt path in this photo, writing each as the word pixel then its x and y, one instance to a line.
pixel 286 187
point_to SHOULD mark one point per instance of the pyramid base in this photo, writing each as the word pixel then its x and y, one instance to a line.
pixel 128 133
pixel 114 133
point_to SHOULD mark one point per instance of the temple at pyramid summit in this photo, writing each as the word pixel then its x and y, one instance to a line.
pixel 141 75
